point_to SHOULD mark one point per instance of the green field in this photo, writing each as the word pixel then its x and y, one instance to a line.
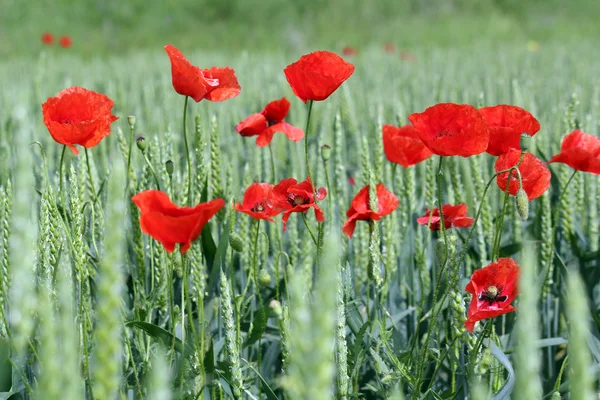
pixel 92 308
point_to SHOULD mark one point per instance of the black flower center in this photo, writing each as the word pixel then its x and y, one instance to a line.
pixel 259 207
pixel 296 200
pixel 492 294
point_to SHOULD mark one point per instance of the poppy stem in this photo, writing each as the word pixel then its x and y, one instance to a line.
pixel 60 183
pixel 308 228
pixel 149 164
pixel 131 140
pixel 500 224
pixel 187 151
pixel 272 164
pixel 310 105
pixel 90 178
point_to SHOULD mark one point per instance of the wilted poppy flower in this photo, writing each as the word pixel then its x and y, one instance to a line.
pixel 215 84
pixel 449 129
pixel 65 41
pixel 493 288
pixel 349 51
pixel 259 202
pixel 506 124
pixel 317 75
pixel 170 224
pixel 389 47
pixel 360 210
pixel 454 216
pixel 78 116
pixel 580 151
pixel 47 38
pixel 268 122
pixel 404 146
pixel 536 176
pixel 292 196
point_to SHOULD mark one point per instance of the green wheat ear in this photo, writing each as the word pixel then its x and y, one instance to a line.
pixel 233 352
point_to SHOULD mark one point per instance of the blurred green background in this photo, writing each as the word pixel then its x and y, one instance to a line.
pixel 98 27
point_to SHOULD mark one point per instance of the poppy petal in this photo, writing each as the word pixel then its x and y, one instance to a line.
pixel 254 125
pixel 228 86
pixel 276 110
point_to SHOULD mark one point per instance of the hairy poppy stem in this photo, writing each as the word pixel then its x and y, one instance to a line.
pixel 310 105
pixel 60 182
pixel 91 179
pixel 272 164
pixel 500 224
pixel 131 140
pixel 187 151
pixel 149 164
pixel 308 229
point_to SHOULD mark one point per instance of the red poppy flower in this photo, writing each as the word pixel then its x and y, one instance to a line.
pixel 580 151
pixel 359 209
pixel 449 129
pixel 215 84
pixel 65 41
pixel 454 216
pixel 349 51
pixel 404 146
pixel 268 122
pixel 292 196
pixel 258 202
pixel 169 224
pixel 536 176
pixel 389 47
pixel 78 116
pixel 493 288
pixel 506 124
pixel 317 75
pixel 47 38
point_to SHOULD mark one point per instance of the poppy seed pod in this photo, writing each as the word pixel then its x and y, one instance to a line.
pixel 141 143
pixel 236 243
pixel 169 167
pixel 325 152
pixel 525 141
pixel 522 204
pixel 263 277
pixel 131 121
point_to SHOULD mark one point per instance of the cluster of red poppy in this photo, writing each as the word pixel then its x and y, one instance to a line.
pixel 63 41
pixel 77 116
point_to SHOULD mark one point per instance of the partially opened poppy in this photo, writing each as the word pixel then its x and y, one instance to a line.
pixel 349 51
pixel 454 216
pixel 47 38
pixel 506 124
pixel 170 224
pixel 214 84
pixel 404 146
pixel 360 210
pixel 65 42
pixel 78 116
pixel 449 129
pixel 493 288
pixel 292 196
pixel 534 173
pixel 268 122
pixel 317 75
pixel 580 151
pixel 259 202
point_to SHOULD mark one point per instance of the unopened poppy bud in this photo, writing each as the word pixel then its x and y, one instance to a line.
pixel 141 143
pixel 169 167
pixel 236 243
pixel 525 141
pixel 263 277
pixel 131 121
pixel 522 204
pixel 325 152
pixel 275 306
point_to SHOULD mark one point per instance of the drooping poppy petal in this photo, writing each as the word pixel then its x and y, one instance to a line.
pixel 580 151
pixel 268 122
pixel 227 87
pixel 65 42
pixel 317 75
pixel 276 110
pixel 47 38
pixel 454 216
pixel 292 133
pixel 404 146
pixel 170 224
pixel 506 124
pixel 493 288
pixel 536 176
pixel 292 196
pixel 78 116
pixel 259 202
pixel 254 125
pixel 449 129
pixel 360 209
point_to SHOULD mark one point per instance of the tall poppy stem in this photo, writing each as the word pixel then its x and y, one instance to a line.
pixel 149 164
pixel 500 224
pixel 91 179
pixel 187 152
pixel 131 140
pixel 272 164
pixel 60 183
pixel 310 105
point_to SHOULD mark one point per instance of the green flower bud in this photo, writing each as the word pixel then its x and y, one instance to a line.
pixel 522 204
pixel 275 306
pixel 141 143
pixel 263 277
pixel 325 152
pixel 131 121
pixel 236 243
pixel 525 141
pixel 169 167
